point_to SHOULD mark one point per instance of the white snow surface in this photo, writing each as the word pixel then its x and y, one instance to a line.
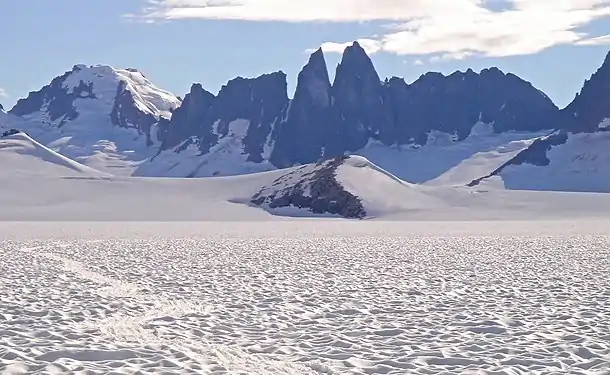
pixel 38 184
pixel 444 154
pixel 20 154
pixel 382 193
pixel 580 165
pixel 307 298
pixel 605 124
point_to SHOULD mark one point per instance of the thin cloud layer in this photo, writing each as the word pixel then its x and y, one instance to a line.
pixel 453 29
pixel 3 93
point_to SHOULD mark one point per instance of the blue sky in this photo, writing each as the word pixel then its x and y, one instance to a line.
pixel 555 44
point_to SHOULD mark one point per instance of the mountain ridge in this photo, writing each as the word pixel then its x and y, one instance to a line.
pixel 121 121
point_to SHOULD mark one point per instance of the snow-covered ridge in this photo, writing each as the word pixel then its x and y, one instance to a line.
pixel 558 162
pixel 27 156
pixel 349 187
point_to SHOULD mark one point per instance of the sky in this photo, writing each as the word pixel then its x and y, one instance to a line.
pixel 554 44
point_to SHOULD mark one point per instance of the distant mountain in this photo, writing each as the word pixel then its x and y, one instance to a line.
pixel 117 121
pixel 97 113
pixel 252 123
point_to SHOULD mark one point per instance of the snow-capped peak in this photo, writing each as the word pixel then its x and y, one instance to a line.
pixel 97 112
pixel 106 81
pixel 101 89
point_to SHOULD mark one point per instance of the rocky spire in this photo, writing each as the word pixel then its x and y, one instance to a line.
pixel 188 119
pixel 301 136
pixel 358 94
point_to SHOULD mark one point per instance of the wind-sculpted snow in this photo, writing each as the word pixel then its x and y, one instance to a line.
pixel 307 305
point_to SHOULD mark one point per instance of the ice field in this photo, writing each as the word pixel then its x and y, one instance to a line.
pixel 310 297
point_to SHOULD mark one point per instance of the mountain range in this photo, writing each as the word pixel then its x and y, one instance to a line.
pixel 466 128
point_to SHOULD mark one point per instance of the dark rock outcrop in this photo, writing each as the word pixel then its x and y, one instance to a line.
pixel 10 132
pixel 188 119
pixel 454 104
pixel 592 105
pixel 125 113
pixel 314 188
pixel 359 102
pixel 55 99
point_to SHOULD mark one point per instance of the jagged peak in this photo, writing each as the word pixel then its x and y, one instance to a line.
pixel 273 76
pixel 355 64
pixel 316 62
pixel 197 88
pixel 395 81
pixel 354 49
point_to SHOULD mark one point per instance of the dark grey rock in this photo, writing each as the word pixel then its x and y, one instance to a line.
pixel 325 121
pixel 592 104
pixel 207 117
pixel 310 120
pixel 126 114
pixel 317 191
pixel 59 103
pixel 454 104
pixel 188 119
pixel 10 132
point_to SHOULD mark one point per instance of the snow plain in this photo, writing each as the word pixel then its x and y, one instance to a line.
pixel 117 275
pixel 308 297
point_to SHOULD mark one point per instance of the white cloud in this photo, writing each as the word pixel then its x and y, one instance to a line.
pixel 448 29
pixel 600 40
pixel 3 93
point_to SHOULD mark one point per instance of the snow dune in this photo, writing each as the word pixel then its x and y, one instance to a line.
pixel 356 302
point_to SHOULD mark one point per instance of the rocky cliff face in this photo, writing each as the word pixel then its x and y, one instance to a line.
pixel 590 109
pixel 454 104
pixel 205 120
pixel 309 121
pixel 326 120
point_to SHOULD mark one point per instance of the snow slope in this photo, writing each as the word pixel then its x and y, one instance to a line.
pixel 581 164
pixel 20 154
pixel 381 192
pixel 443 154
pixel 39 184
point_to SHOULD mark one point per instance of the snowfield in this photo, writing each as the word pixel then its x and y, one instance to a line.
pixel 309 298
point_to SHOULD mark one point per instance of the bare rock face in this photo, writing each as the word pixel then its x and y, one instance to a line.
pixel 590 109
pixel 312 187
